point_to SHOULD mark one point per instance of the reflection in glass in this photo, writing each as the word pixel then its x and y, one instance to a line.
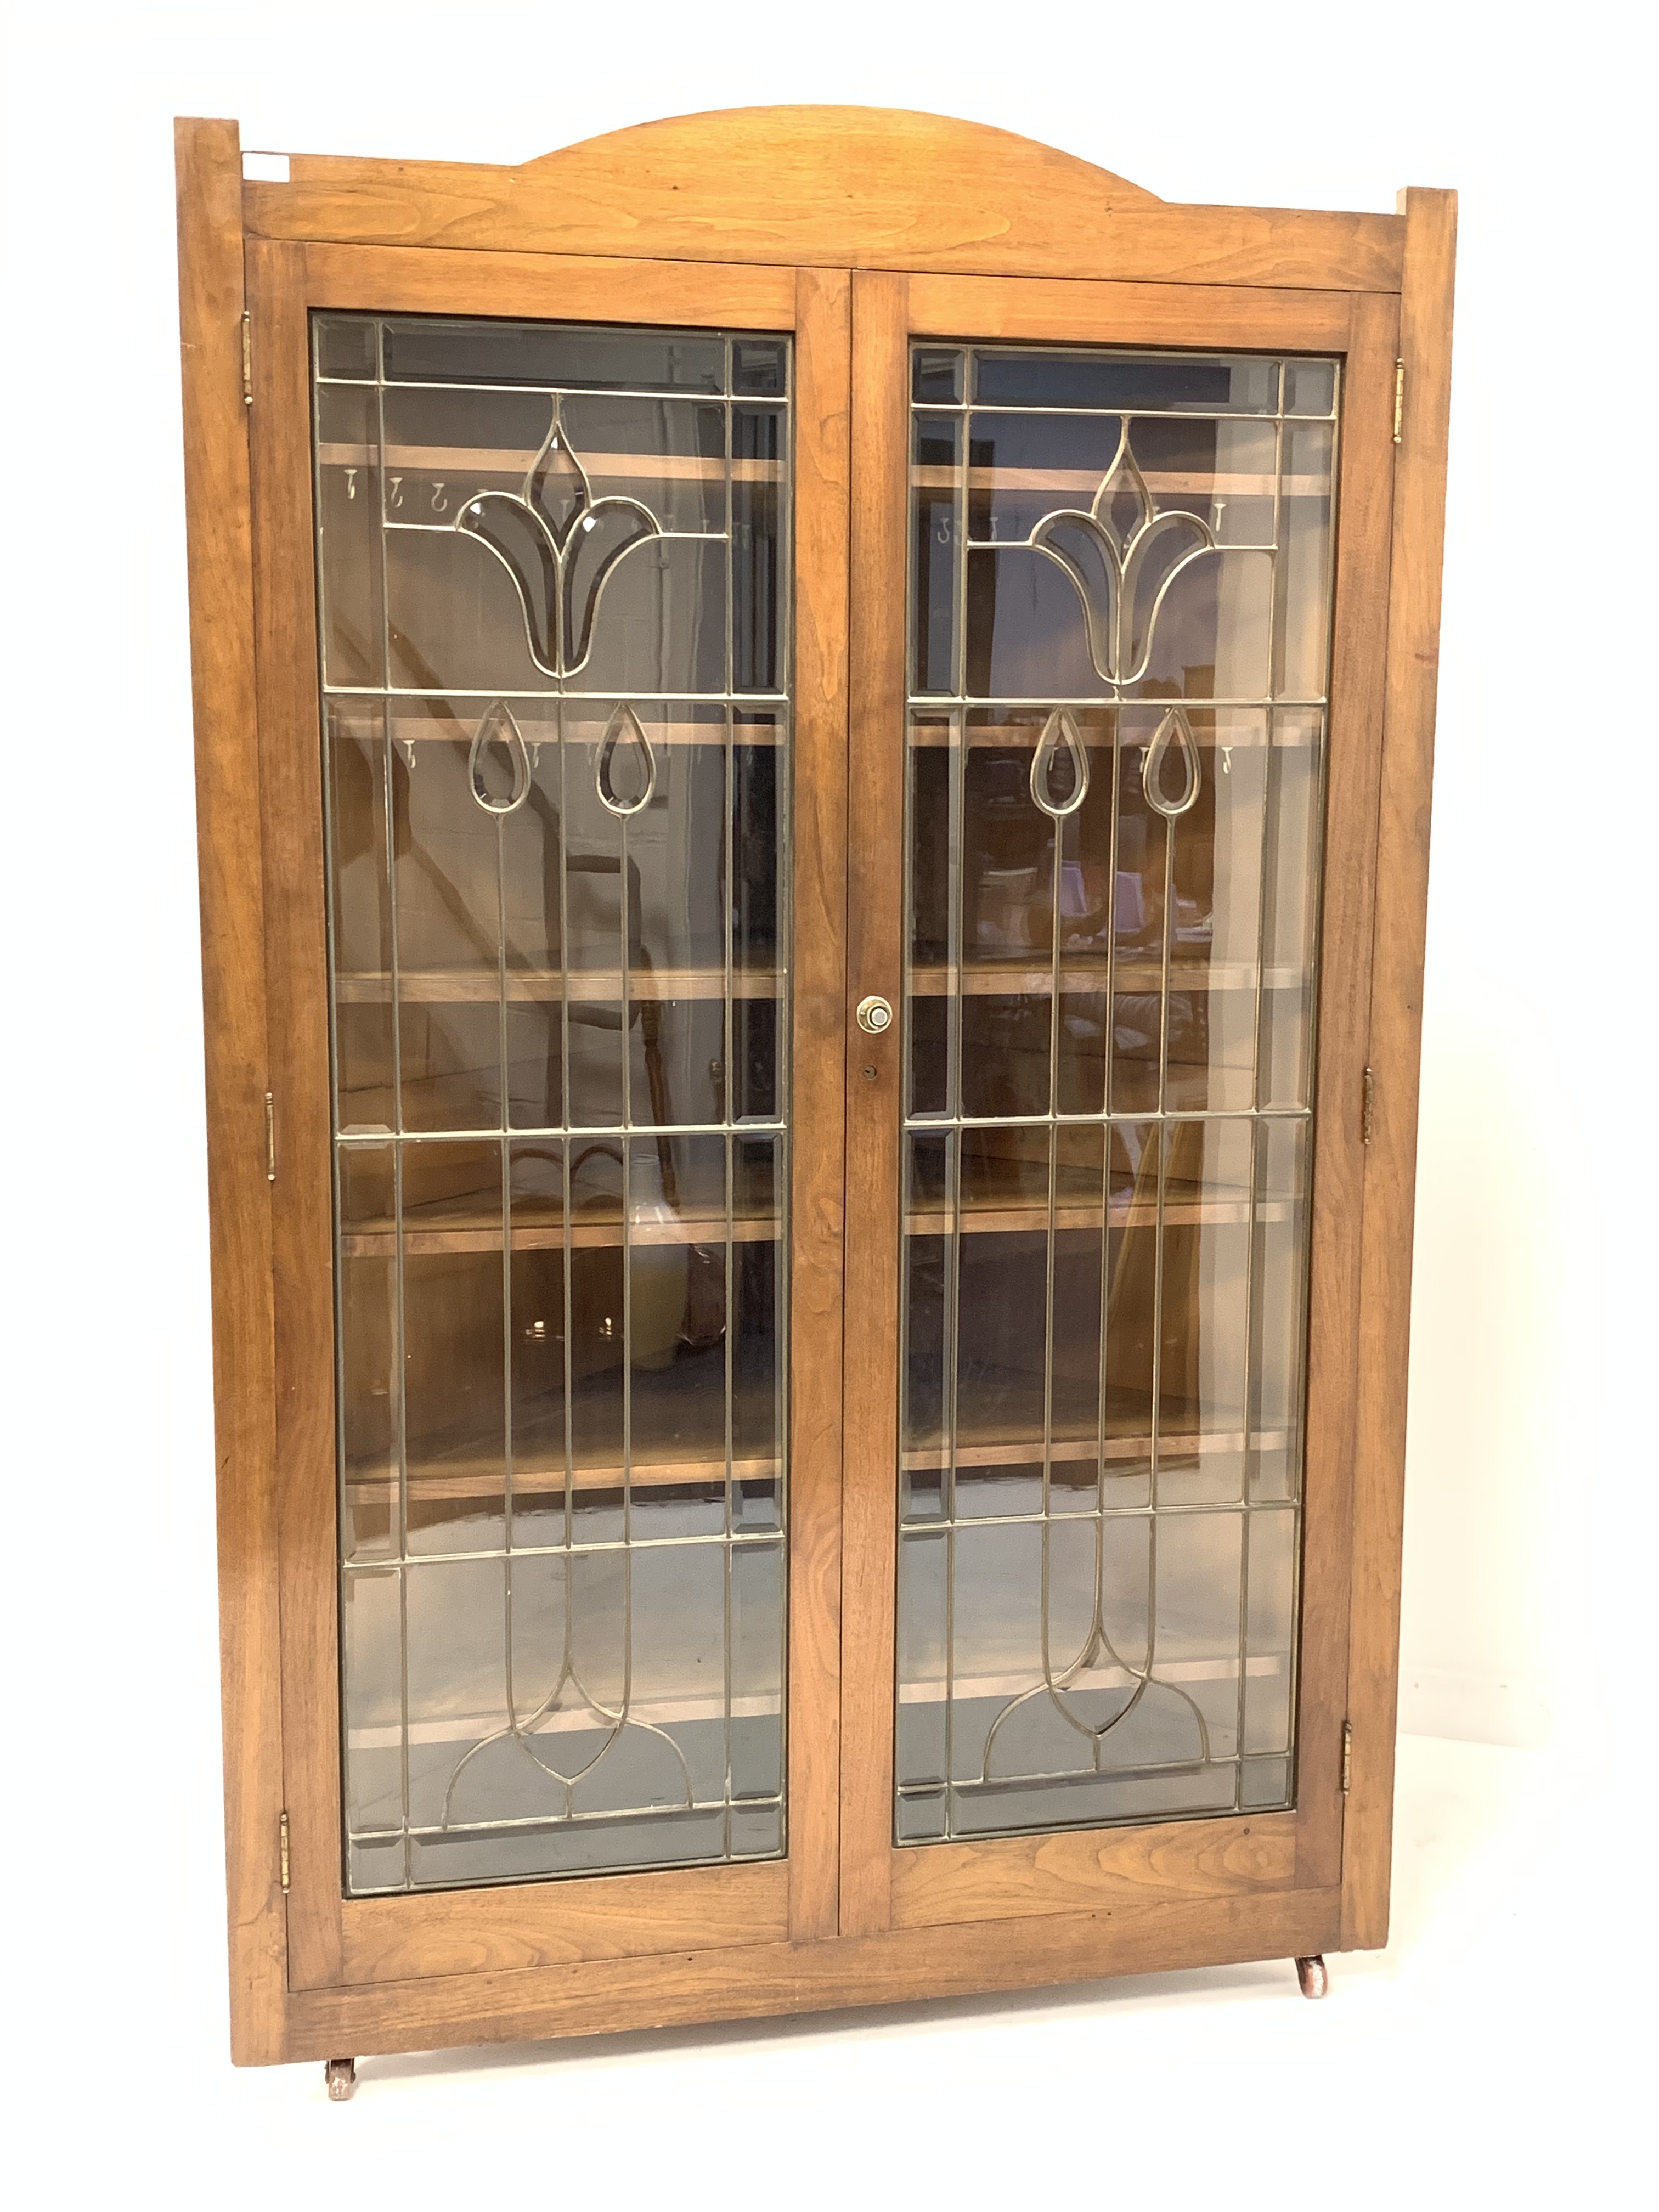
pixel 553 568
pixel 1119 615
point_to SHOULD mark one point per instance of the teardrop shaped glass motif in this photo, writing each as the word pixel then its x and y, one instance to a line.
pixel 1174 735
pixel 1123 506
pixel 623 730
pixel 557 484
pixel 1058 731
pixel 498 727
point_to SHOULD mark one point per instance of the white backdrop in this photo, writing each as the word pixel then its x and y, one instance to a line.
pixel 1531 1459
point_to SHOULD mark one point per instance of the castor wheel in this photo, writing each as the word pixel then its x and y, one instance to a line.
pixel 340 2076
pixel 1311 1977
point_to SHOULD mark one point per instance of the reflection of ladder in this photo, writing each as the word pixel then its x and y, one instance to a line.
pixel 1133 1301
pixel 645 1012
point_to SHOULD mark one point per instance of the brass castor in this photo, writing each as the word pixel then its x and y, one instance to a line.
pixel 340 2076
pixel 1311 1975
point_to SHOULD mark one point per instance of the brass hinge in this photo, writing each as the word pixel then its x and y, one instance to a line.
pixel 282 1848
pixel 247 363
pixel 270 1137
pixel 1398 398
pixel 1347 1755
pixel 1367 1108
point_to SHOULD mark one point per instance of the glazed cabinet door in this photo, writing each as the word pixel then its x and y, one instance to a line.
pixel 551 586
pixel 1121 554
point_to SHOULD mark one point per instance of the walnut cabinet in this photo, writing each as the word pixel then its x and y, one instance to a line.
pixel 813 735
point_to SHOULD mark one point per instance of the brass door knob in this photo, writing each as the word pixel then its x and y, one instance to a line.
pixel 875 1015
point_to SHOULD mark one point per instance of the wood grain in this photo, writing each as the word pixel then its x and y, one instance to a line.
pixel 1362 327
pixel 302 1196
pixel 219 556
pixel 560 287
pixel 1081 1871
pixel 1402 865
pixel 810 220
pixel 468 1931
pixel 1056 312
pixel 1359 628
pixel 333 1940
pixel 900 1967
pixel 875 880
pixel 823 374
pixel 845 187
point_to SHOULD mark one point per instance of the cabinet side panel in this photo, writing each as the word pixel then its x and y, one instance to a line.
pixel 1346 928
pixel 210 298
pixel 1402 868
pixel 285 659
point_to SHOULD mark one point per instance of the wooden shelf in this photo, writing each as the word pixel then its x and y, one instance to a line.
pixel 1072 1450
pixel 994 1218
pixel 377 1240
pixel 1079 486
pixel 471 1480
pixel 458 463
pixel 930 731
pixel 540 986
pixel 449 728
pixel 1140 976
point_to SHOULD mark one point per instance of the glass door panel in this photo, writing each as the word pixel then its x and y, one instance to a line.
pixel 556 733
pixel 1119 620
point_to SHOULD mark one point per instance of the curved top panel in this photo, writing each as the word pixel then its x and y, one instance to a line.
pixel 871 187
pixel 838 187
pixel 881 163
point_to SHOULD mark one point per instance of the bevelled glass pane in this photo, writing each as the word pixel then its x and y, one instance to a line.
pixel 1309 388
pixel 1306 507
pixel 351 565
pixel 937 375
pixel 1174 383
pixel 345 346
pixel 1289 914
pixel 760 366
pixel 553 567
pixel 365 1054
pixel 436 349
pixel 935 551
pixel 1113 793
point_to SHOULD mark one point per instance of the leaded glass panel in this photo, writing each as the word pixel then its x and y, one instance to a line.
pixel 553 566
pixel 1120 612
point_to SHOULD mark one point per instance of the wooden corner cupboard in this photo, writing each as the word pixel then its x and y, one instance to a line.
pixel 813 733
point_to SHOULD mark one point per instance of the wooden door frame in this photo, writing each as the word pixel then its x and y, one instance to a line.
pixel 829 190
pixel 332 1939
pixel 885 1884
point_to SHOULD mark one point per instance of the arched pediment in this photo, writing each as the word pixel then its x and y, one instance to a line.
pixel 891 175
pixel 852 186
pixel 831 187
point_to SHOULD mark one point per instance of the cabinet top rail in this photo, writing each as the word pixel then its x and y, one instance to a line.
pixel 844 187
